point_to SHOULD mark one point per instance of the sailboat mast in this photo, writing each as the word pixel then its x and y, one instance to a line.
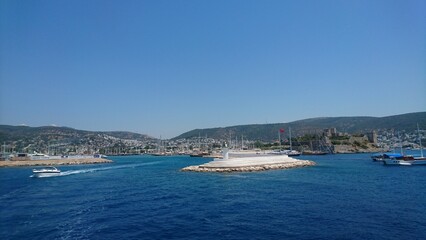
pixel 420 140
pixel 289 132
pixel 400 143
pixel 242 143
pixel 279 138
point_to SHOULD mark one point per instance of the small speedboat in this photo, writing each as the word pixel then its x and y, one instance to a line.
pixel 47 171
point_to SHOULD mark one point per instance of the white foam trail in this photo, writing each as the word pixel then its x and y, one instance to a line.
pixel 72 172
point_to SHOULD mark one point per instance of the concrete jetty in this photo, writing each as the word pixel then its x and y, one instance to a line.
pixel 250 164
pixel 54 162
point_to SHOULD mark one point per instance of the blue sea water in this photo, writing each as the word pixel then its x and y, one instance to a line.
pixel 144 197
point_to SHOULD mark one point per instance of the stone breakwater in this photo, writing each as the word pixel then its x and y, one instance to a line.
pixel 250 164
pixel 54 162
pixel 302 163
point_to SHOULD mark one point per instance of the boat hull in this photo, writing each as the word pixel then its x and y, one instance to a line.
pixel 419 162
pixel 392 161
pixel 46 174
pixel 404 162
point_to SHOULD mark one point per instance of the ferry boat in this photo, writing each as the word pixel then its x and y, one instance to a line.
pixel 47 171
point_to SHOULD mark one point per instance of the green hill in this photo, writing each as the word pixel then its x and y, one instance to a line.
pixel 11 133
pixel 351 125
pixel 25 135
pixel 263 132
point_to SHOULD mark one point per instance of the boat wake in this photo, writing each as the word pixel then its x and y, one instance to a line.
pixel 89 170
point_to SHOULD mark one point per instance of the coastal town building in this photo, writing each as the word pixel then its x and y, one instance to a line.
pixel 330 141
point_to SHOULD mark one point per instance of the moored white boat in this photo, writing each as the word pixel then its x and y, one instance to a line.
pixel 405 162
pixel 293 153
pixel 290 153
pixel 419 161
pixel 39 156
pixel 394 161
pixel 383 156
pixel 391 156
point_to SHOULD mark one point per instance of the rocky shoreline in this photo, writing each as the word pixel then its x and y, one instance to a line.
pixel 54 162
pixel 249 163
pixel 254 168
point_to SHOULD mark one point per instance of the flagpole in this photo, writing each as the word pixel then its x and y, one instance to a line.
pixel 279 138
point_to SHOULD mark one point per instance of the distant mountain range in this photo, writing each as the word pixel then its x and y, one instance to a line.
pixel 263 132
pixel 269 132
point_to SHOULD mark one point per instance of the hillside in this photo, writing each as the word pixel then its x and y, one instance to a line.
pixel 268 132
pixel 24 135
pixel 14 133
pixel 24 138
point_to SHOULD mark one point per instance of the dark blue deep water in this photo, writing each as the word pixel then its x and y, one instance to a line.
pixel 144 197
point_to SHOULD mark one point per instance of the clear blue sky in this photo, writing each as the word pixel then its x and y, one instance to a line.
pixel 166 67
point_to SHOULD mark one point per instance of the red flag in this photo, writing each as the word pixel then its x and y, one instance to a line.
pixel 281 130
